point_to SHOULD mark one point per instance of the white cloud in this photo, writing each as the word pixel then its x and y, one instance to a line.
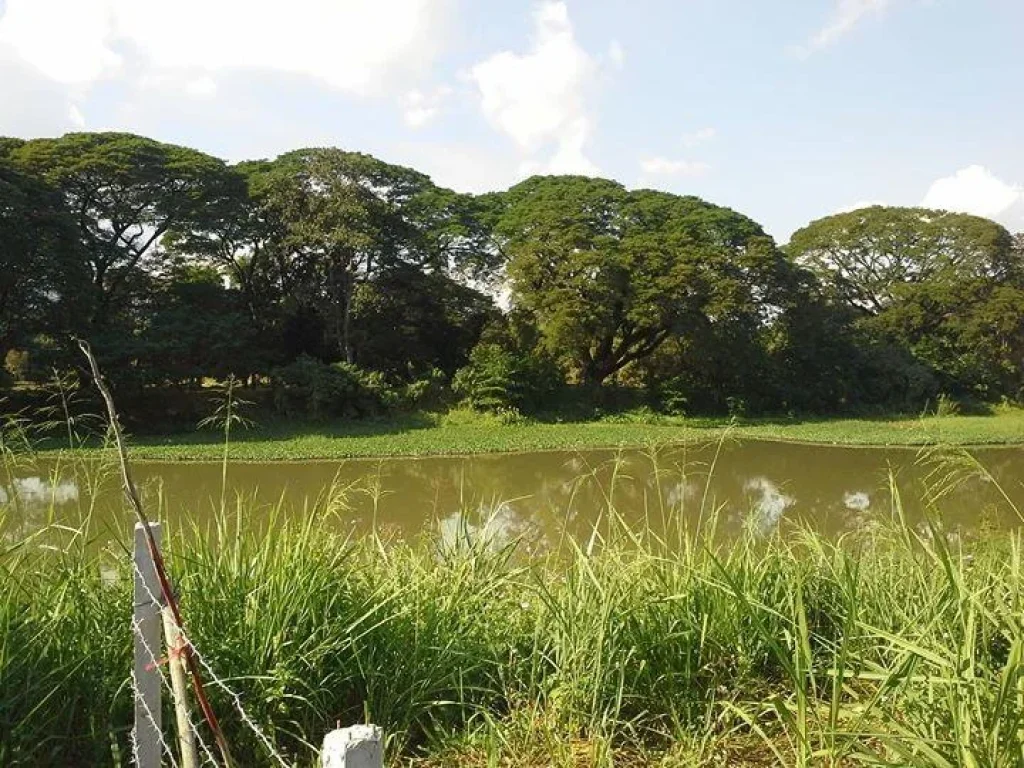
pixel 202 87
pixel 699 137
pixel 67 40
pixel 846 15
pixel 31 104
pixel 461 166
pixel 663 166
pixel 540 98
pixel 356 46
pixel 76 117
pixel 974 190
pixel 421 107
pixel 857 206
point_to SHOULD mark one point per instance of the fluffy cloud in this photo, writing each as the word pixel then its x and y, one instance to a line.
pixel 974 190
pixel 540 98
pixel 357 46
pixel 32 104
pixel 663 166
pixel 846 15
pixel 421 107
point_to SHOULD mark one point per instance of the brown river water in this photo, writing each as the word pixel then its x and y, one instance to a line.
pixel 541 498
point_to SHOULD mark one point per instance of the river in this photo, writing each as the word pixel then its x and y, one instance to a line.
pixel 541 498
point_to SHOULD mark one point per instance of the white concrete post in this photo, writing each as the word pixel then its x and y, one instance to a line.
pixel 361 746
pixel 147 632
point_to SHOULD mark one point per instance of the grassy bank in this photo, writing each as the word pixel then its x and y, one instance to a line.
pixel 897 647
pixel 463 432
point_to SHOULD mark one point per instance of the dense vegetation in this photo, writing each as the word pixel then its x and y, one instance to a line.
pixel 336 285
pixel 900 645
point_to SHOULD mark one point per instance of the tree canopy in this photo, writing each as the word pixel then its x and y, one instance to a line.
pixel 869 256
pixel 610 274
pixel 324 274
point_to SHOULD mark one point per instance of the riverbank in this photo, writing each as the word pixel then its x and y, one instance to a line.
pixel 462 432
pixel 896 648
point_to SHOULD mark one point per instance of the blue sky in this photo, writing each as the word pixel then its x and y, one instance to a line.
pixel 786 110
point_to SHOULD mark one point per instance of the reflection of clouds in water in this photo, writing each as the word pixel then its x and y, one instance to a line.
pixel 857 501
pixel 501 525
pixel 37 492
pixel 771 504
pixel 686 489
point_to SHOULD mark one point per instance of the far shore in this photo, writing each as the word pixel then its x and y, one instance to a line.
pixel 463 433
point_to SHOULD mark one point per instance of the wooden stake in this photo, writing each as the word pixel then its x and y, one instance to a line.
pixel 179 688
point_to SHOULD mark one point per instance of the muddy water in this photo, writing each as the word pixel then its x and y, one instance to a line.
pixel 542 497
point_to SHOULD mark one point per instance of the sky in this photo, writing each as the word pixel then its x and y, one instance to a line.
pixel 786 110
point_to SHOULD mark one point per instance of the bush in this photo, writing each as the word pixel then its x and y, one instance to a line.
pixel 16 363
pixel 429 391
pixel 497 380
pixel 308 387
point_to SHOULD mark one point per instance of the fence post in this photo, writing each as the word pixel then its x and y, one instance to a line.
pixel 360 746
pixel 147 632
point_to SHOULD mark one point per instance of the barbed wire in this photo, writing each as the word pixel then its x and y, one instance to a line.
pixel 218 681
pixel 141 699
pixel 159 668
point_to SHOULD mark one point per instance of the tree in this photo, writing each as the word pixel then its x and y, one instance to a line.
pixel 947 288
pixel 124 192
pixel 40 266
pixel 610 275
pixel 866 256
pixel 407 322
pixel 195 327
pixel 344 217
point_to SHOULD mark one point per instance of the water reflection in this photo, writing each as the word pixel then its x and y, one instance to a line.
pixel 35 492
pixel 541 497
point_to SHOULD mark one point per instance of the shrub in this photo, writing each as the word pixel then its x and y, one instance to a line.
pixel 308 387
pixel 426 392
pixel 16 364
pixel 498 380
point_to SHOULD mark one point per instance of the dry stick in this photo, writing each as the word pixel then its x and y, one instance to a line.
pixel 179 689
pixel 165 587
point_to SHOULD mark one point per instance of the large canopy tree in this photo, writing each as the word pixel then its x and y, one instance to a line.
pixel 946 287
pixel 868 256
pixel 610 275
pixel 341 218
pixel 123 192
pixel 41 274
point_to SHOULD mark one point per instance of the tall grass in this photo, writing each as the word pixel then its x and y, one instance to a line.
pixel 898 645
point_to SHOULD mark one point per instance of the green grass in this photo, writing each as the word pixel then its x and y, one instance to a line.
pixel 462 432
pixel 896 646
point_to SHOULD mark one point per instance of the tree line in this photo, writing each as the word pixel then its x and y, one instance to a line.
pixel 352 286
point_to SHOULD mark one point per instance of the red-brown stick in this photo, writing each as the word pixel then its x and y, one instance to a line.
pixel 158 561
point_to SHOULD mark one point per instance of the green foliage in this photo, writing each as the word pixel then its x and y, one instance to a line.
pixel 407 322
pixel 16 364
pixel 42 276
pixel 500 380
pixel 180 269
pixel 611 275
pixel 309 388
pixel 428 391
pixel 868 256
pixel 126 191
